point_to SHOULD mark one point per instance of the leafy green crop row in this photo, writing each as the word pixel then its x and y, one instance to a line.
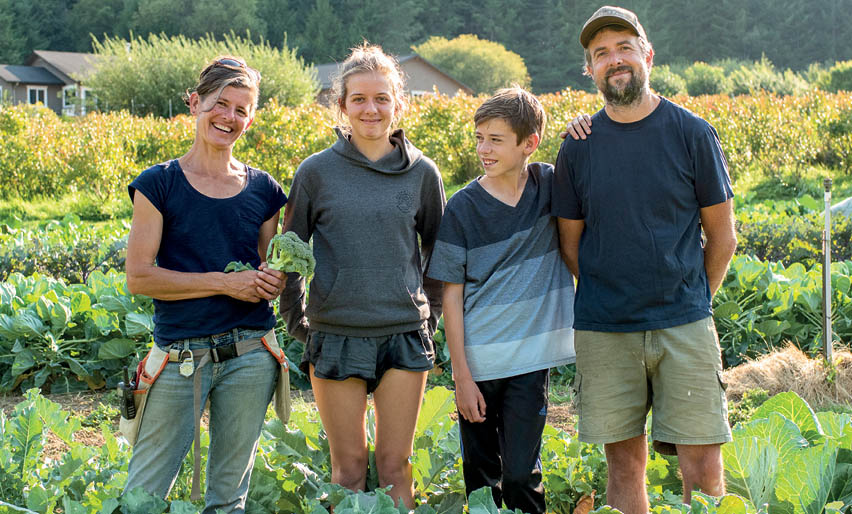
pixel 70 337
pixel 786 459
pixel 66 249
pixel 762 305
pixel 44 155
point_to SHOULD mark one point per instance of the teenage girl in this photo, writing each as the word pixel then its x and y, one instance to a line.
pixel 372 203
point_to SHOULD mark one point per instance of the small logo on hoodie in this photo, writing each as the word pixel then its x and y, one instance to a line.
pixel 404 201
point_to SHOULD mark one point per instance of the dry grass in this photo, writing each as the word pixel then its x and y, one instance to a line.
pixel 789 369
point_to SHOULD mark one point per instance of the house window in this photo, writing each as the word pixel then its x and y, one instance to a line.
pixel 420 92
pixel 69 100
pixel 77 100
pixel 36 95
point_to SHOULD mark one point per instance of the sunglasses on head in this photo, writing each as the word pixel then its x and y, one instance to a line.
pixel 233 63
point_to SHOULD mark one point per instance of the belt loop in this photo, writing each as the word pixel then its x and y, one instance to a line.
pixel 236 335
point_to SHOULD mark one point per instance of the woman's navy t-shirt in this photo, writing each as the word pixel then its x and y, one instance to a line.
pixel 203 234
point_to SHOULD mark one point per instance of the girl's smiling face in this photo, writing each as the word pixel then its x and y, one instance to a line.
pixel 370 106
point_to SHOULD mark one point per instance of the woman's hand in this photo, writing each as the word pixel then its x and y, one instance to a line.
pixel 269 282
pixel 578 127
pixel 242 285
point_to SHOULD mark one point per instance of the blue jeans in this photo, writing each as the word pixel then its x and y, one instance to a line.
pixel 239 391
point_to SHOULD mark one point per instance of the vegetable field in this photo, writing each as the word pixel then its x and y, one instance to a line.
pixel 68 323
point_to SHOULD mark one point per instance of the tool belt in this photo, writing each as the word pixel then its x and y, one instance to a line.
pixel 191 361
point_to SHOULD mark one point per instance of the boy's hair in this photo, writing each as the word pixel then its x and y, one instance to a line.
pixel 518 107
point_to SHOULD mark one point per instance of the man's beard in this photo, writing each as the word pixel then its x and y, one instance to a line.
pixel 627 95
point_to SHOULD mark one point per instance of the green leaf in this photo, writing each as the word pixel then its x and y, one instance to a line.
pixel 727 309
pixel 80 302
pixel 438 403
pixel 118 305
pixel 27 324
pixel 138 324
pixel 808 202
pixel 238 266
pixel 105 321
pixel 38 499
pixel 24 360
pixel 75 366
pixel 116 349
pixel 60 315
pixel 805 480
pixel 7 328
pixel 182 507
pixel 137 501
pixel 771 327
pixel 777 430
pixel 481 501
pixel 837 427
pixel 751 464
pixel 794 408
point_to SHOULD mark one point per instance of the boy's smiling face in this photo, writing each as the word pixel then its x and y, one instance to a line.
pixel 498 148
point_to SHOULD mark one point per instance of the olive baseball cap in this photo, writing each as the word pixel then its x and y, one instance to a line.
pixel 609 15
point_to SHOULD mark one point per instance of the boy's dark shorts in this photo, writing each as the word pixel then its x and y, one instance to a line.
pixel 338 357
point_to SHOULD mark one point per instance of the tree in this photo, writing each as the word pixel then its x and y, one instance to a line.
pixel 97 17
pixel 478 63
pixel 12 44
pixel 167 17
pixel 145 74
pixel 220 17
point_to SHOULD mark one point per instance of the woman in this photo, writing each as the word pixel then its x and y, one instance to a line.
pixel 368 328
pixel 192 216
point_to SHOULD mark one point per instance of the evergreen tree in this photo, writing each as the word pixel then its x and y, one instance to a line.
pixel 97 17
pixel 12 44
pixel 220 17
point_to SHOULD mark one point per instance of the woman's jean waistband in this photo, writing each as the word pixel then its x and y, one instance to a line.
pixel 218 340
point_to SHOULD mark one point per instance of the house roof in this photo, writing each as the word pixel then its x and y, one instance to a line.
pixel 72 64
pixel 29 75
pixel 326 71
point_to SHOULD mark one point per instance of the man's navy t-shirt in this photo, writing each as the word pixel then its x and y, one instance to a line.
pixel 203 234
pixel 639 188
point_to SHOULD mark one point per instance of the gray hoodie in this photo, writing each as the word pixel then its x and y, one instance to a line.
pixel 365 218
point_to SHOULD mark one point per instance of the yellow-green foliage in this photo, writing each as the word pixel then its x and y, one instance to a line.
pixel 480 64
pixel 42 154
pixel 145 74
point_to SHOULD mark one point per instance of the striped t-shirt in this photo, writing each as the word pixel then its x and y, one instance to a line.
pixel 518 293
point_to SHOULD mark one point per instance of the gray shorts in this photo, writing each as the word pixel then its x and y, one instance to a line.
pixel 338 357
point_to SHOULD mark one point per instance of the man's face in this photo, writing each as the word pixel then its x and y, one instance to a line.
pixel 618 66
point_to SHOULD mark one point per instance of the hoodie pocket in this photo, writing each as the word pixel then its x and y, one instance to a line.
pixel 368 297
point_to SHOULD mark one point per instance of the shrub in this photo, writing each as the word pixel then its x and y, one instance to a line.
pixel 666 82
pixel 705 79
pixel 144 75
pixel 788 235
pixel 480 64
pixel 837 78
pixel 762 76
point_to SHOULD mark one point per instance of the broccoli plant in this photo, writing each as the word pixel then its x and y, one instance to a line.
pixel 287 252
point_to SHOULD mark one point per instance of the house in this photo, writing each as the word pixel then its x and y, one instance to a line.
pixel 53 78
pixel 421 77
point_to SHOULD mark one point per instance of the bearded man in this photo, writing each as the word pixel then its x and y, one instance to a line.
pixel 633 199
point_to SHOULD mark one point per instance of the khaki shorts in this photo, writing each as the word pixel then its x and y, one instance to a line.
pixel 676 371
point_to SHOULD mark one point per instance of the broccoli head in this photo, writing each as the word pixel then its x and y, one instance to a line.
pixel 287 252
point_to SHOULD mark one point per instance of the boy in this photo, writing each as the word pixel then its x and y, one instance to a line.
pixel 508 300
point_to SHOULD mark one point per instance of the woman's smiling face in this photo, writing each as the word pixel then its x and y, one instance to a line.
pixel 222 118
